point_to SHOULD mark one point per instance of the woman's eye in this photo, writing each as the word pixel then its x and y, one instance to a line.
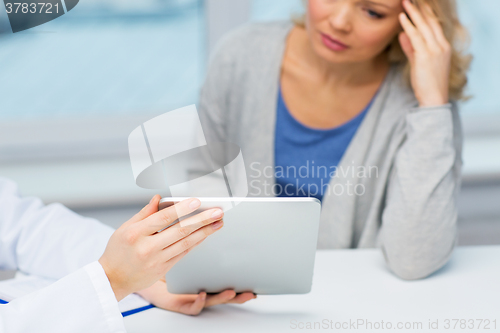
pixel 374 14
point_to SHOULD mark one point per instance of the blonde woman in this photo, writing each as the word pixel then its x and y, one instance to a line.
pixel 354 104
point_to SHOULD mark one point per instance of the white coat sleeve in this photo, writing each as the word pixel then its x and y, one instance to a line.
pixel 49 241
pixel 81 302
pixel 54 242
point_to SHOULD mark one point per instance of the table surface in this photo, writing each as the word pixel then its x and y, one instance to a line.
pixel 353 289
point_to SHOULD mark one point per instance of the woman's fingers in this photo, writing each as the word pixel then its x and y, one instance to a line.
pixel 197 306
pixel 171 262
pixel 242 298
pixel 167 216
pixel 185 244
pixel 177 232
pixel 202 218
pixel 228 296
pixel 175 259
pixel 220 298
pixel 436 27
pixel 405 43
pixel 421 24
pixel 415 37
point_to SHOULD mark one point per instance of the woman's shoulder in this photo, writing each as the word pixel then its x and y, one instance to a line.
pixel 262 29
pixel 251 40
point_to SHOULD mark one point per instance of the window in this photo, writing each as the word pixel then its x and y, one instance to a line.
pixel 105 57
pixel 480 17
pixel 77 86
pixel 265 10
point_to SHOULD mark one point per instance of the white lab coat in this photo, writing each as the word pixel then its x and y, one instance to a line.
pixel 53 242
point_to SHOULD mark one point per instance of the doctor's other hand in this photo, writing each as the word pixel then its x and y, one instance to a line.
pixel 137 255
pixel 158 295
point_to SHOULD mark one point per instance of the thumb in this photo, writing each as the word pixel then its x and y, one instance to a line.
pixel 149 209
pixel 406 46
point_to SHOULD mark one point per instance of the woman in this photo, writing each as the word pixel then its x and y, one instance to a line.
pixel 355 105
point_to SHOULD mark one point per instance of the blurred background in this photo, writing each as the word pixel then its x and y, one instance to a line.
pixel 73 89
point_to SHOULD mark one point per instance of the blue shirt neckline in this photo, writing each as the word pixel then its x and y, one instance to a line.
pixel 313 150
pixel 331 130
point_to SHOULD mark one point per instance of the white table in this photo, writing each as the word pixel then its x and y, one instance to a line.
pixel 352 285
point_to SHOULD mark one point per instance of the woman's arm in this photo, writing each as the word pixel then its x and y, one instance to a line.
pixel 419 220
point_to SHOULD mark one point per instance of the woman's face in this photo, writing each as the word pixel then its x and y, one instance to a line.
pixel 348 31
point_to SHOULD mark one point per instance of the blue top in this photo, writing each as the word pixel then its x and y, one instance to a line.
pixel 306 158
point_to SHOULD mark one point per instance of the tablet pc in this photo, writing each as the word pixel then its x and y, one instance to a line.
pixel 267 246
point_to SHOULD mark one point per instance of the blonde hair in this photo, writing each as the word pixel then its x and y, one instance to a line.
pixel 455 33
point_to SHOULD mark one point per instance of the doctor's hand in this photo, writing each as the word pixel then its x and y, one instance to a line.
pixel 158 295
pixel 137 255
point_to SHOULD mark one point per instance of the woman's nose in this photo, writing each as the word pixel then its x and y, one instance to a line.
pixel 340 19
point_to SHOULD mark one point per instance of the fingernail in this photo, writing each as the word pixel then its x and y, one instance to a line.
pixel 203 296
pixel 217 225
pixel 217 214
pixel 152 199
pixel 194 204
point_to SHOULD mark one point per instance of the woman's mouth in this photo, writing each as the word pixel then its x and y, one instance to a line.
pixel 333 44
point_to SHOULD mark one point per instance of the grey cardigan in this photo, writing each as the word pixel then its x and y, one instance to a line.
pixel 407 207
